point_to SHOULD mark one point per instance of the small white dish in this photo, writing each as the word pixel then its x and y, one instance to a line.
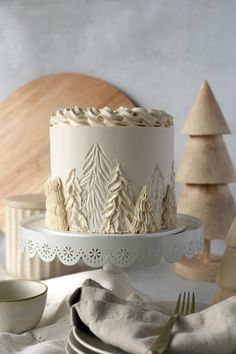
pixel 22 303
pixel 69 348
pixel 89 341
pixel 73 347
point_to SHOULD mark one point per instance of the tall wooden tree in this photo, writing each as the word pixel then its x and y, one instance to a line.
pixel 119 207
pixel 94 181
pixel 206 170
pixel 75 217
pixel 226 279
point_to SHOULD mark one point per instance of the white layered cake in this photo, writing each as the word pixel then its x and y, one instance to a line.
pixel 111 171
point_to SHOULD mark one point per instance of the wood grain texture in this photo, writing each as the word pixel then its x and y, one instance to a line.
pixel 231 236
pixel 197 269
pixel 24 121
pixel 212 204
pixel 223 294
pixel 226 276
pixel 206 161
pixel 205 117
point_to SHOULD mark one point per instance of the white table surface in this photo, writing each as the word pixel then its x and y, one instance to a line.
pixel 159 281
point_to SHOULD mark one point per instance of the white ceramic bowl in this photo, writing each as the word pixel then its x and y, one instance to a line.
pixel 22 303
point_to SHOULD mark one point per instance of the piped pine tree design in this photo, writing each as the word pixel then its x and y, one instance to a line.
pixel 96 176
pixel 119 207
pixel 156 191
pixel 56 218
pixel 75 217
pixel 169 207
pixel 145 218
pixel 172 186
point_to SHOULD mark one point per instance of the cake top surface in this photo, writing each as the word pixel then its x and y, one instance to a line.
pixel 122 117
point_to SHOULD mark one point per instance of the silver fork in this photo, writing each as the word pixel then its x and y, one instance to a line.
pixel 183 307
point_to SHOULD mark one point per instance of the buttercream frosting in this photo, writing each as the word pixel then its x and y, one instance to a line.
pixel 56 218
pixel 132 117
pixel 156 190
pixel 119 207
pixel 93 165
pixel 75 216
pixel 145 219
pixel 94 181
pixel 169 208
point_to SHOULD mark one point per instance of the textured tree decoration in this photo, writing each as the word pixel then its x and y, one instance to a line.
pixel 169 208
pixel 75 217
pixel 145 219
pixel 119 207
pixel 94 181
pixel 206 169
pixel 173 206
pixel 56 218
pixel 156 191
pixel 172 179
pixel 226 279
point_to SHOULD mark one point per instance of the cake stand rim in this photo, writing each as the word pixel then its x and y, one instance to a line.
pixel 186 220
pixel 97 251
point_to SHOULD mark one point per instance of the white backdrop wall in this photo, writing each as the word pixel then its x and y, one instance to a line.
pixel 157 51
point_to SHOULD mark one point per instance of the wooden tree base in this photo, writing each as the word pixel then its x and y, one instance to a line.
pixel 198 269
pixel 223 294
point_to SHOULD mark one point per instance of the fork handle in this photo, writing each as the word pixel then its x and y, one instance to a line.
pixel 162 341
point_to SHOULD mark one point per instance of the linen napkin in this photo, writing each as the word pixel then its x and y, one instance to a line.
pixel 132 324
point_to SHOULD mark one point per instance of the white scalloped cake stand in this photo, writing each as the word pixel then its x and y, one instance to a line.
pixel 113 252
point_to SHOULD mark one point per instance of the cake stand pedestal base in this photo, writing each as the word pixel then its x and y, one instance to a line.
pixel 114 279
pixel 198 269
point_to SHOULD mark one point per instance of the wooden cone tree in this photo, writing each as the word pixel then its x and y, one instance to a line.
pixel 226 279
pixel 206 169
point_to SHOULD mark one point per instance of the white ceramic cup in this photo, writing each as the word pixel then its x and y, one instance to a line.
pixel 22 303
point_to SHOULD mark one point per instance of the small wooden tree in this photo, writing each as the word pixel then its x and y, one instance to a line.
pixel 226 279
pixel 206 170
pixel 119 207
pixel 145 219
pixel 56 218
pixel 75 217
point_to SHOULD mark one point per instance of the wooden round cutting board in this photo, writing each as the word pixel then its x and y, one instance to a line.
pixel 24 122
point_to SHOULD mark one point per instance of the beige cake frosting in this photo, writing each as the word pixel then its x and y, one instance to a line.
pixel 76 116
pixel 115 168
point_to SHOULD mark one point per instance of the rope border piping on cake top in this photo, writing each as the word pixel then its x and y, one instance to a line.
pixel 105 117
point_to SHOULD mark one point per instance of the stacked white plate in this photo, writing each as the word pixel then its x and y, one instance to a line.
pixel 82 341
